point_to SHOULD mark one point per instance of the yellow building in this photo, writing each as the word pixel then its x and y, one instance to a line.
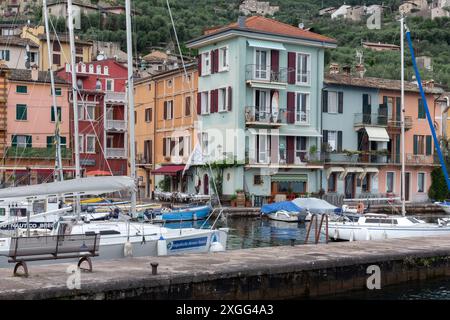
pixel 61 48
pixel 144 95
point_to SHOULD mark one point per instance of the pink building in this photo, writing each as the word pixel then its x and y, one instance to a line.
pixel 30 147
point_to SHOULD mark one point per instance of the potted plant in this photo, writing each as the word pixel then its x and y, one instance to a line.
pixel 233 200
pixel 248 200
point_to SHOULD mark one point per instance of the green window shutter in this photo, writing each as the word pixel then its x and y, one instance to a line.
pixel 21 89
pixel 416 144
pixel 7 55
pixel 428 146
pixel 58 91
pixel 29 141
pixel 14 140
pixel 49 141
pixel 52 114
pixel 21 112
pixel 63 141
pixel 421 110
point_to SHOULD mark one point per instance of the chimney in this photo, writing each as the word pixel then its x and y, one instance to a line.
pixel 428 84
pixel 346 70
pixel 334 68
pixel 241 21
pixel 34 73
pixel 361 70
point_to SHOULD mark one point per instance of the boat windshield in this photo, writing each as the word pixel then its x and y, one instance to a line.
pixel 413 220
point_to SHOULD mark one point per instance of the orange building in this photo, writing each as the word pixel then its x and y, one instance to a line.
pixel 144 95
pixel 175 117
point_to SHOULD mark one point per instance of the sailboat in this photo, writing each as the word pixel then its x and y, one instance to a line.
pixel 372 226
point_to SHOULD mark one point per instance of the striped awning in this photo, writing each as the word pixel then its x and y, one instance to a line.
pixel 368 170
pixel 351 170
pixel 334 169
pixel 290 178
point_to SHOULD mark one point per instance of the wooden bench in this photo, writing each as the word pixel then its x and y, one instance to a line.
pixel 40 248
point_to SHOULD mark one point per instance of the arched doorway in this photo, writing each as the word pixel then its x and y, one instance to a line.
pixel 205 184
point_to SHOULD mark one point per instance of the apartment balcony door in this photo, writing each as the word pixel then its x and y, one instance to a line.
pixel 350 186
pixel 407 185
pixel 261 64
pixel 262 105
pixel 262 148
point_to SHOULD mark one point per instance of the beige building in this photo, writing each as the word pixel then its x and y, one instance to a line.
pixel 18 53
pixel 61 48
pixel 259 7
pixel 413 7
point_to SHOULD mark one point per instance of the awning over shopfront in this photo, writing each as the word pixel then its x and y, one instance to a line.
pixel 377 134
pixel 351 170
pixel 265 44
pixel 171 170
pixel 290 178
pixel 368 170
pixel 334 169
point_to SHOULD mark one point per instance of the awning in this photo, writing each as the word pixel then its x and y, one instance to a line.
pixel 377 134
pixel 334 169
pixel 265 44
pixel 368 170
pixel 168 170
pixel 290 178
pixel 351 170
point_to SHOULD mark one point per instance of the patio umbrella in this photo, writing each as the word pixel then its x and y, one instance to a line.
pixel 95 173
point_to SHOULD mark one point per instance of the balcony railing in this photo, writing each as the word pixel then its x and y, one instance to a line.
pixel 117 97
pixel 36 153
pixel 398 123
pixel 370 119
pixel 115 153
pixel 257 72
pixel 377 157
pixel 300 158
pixel 116 125
pixel 253 115
pixel 142 159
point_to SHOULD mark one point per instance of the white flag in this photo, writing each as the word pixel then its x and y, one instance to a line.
pixel 195 158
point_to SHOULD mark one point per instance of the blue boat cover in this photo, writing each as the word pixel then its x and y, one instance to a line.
pixel 277 206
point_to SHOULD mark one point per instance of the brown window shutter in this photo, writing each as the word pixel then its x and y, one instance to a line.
pixel 171 110
pixel 165 110
pixel 164 147
pixel 274 62
pixel 199 103
pixel 291 67
pixel 290 142
pixel 211 102
pixel 199 64
pixel 230 98
pixel 216 100
pixel 291 107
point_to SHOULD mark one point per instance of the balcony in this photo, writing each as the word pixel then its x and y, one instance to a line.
pixel 301 159
pixel 115 153
pixel 37 153
pixel 416 159
pixel 262 76
pixel 377 157
pixel 394 124
pixel 362 120
pixel 142 160
pixel 115 97
pixel 115 125
pixel 263 118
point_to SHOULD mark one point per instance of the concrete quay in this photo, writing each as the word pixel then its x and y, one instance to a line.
pixel 302 271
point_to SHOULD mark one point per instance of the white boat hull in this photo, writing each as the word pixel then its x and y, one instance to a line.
pixel 284 216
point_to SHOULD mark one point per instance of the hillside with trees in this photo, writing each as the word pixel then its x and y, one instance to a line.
pixel 152 28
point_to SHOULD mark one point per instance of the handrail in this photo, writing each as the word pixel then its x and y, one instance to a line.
pixel 314 218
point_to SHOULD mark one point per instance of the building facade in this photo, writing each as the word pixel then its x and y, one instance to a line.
pixel 30 151
pixel 258 104
pixel 102 115
pixel 18 53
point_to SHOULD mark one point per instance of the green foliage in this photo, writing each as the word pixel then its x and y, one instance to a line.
pixel 164 184
pixel 438 189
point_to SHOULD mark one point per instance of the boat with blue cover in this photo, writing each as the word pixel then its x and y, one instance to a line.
pixel 191 213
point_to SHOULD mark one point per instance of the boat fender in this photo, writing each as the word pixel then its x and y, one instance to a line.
pixel 360 207
pixel 367 234
pixel 128 249
pixel 162 246
pixel 194 216
pixel 215 245
pixel 385 236
pixel 352 236
pixel 336 234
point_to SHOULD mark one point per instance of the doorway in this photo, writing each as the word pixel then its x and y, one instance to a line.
pixel 407 185
pixel 350 186
pixel 205 184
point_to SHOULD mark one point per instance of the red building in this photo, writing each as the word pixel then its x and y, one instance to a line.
pixel 102 113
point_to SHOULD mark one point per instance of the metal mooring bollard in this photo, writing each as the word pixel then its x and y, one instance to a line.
pixel 292 242
pixel 154 268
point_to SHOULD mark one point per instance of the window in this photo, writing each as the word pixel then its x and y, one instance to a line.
pixel 168 110
pixel 78 59
pixel 33 57
pixel 80 112
pixel 390 176
pixel 206 64
pixel 296 187
pixel 166 147
pixel 303 67
pixel 169 83
pixel 98 69
pixel 52 114
pixel 261 64
pixel 332 181
pixel 21 141
pixel 21 112
pixel 56 59
pixel 21 89
pixel 109 84
pixel 187 145
pixel 263 148
pixel 300 149
pixel 422 145
pixel 257 179
pixel 148 151
pixel 181 146
pixel 90 144
pixel 2 212
pixel 78 50
pixel 90 113
pixel 205 102
pixel 205 143
pixel 302 108
pixel 223 99
pixel 421 113
pixel 332 102
pixel 365 183
pixel 81 143
pixel 223 59
pixel 421 182
pixel 58 92
pixel 332 140
pixel 187 106
pixel 148 115
pixel 56 46
pixel 51 142
pixel 4 55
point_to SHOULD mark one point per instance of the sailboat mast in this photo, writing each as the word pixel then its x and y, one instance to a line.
pixel 74 99
pixel 402 113
pixel 58 169
pixel 130 94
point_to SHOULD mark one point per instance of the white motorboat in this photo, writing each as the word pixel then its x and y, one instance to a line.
pixel 283 215
pixel 380 226
pixel 445 205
